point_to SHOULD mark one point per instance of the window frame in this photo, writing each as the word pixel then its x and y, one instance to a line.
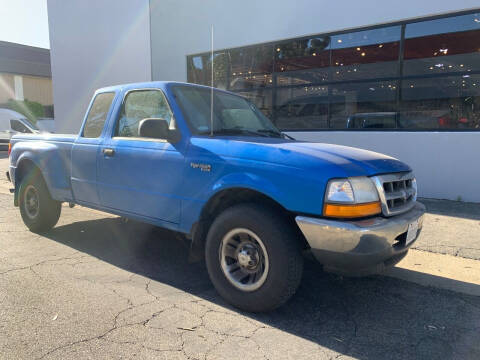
pixel 122 108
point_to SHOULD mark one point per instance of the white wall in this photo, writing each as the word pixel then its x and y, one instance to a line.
pixel 445 163
pixel 182 27
pixel 95 44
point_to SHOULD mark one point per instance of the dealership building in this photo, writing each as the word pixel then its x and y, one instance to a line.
pixel 400 78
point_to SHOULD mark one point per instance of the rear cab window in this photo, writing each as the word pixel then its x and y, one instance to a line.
pixel 97 115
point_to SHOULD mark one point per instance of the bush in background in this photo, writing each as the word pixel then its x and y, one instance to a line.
pixel 32 110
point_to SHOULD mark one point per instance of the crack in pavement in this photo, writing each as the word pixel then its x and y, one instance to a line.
pixel 40 263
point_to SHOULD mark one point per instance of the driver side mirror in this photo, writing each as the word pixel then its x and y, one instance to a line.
pixel 158 129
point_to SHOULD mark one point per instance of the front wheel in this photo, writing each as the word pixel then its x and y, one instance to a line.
pixel 253 258
pixel 39 211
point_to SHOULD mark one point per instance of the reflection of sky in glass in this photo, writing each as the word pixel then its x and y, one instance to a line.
pixel 442 26
pixel 319 43
pixel 366 37
pixel 197 62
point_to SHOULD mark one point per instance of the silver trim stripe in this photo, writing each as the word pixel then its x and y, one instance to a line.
pixel 397 192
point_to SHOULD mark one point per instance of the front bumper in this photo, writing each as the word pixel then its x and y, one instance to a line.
pixel 360 247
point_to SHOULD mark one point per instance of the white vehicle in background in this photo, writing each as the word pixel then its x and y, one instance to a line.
pixel 12 123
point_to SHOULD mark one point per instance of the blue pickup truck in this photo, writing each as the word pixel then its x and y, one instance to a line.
pixel 207 163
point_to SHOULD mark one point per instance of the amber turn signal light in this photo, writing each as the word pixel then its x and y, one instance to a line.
pixel 352 210
pixel 9 148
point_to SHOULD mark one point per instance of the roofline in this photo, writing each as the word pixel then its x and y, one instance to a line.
pixel 151 84
pixel 22 59
pixel 8 43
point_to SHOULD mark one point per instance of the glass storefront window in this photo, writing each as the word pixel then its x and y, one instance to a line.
pixel 199 69
pixel 451 102
pixel 196 69
pixel 360 54
pixel 251 67
pixel 351 80
pixel 302 108
pixel 262 98
pixel 364 105
pixel 302 61
pixel 442 45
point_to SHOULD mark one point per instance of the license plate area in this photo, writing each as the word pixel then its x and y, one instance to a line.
pixel 412 232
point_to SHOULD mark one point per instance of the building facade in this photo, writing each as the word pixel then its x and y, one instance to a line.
pixel 25 74
pixel 402 79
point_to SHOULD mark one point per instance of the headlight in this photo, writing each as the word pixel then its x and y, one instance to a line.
pixel 340 191
pixel 352 197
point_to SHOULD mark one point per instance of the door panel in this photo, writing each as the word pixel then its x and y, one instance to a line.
pixel 136 174
pixel 141 177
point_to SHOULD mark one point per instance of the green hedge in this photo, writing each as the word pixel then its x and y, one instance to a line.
pixel 31 109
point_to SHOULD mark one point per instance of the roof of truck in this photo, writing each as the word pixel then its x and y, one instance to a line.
pixel 151 84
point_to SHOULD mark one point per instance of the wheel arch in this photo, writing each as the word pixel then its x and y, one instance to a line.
pixel 26 167
pixel 225 199
pixel 50 159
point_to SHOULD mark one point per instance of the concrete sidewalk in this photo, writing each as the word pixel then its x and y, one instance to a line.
pixel 451 227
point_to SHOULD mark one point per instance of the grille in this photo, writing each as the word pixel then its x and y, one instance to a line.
pixel 397 192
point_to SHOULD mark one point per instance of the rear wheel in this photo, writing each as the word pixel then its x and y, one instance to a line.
pixel 39 211
pixel 253 258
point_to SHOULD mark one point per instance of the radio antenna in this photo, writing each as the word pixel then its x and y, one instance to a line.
pixel 211 84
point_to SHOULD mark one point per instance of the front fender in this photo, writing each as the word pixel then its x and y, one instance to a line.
pixel 247 181
pixel 192 209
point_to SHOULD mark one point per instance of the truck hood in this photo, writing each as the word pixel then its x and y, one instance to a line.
pixel 343 161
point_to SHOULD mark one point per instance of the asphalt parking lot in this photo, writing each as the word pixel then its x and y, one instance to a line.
pixel 96 287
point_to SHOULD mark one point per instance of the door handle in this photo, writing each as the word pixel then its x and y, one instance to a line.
pixel 108 152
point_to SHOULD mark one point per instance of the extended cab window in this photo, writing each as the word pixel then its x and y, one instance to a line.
pixel 19 127
pixel 97 115
pixel 139 105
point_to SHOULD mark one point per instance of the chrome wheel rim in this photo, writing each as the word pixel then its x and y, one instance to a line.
pixel 31 201
pixel 244 259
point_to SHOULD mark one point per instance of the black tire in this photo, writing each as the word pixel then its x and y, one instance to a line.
pixel 284 257
pixel 48 211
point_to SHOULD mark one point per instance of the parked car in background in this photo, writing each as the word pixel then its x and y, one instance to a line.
pixel 11 123
pixel 250 199
pixel 439 119
pixel 376 120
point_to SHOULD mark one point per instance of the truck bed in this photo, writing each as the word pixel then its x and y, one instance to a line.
pixel 52 153
pixel 64 138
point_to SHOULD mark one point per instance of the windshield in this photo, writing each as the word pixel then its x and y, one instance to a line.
pixel 30 124
pixel 232 114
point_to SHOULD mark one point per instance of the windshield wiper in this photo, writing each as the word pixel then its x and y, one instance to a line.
pixel 270 132
pixel 277 133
